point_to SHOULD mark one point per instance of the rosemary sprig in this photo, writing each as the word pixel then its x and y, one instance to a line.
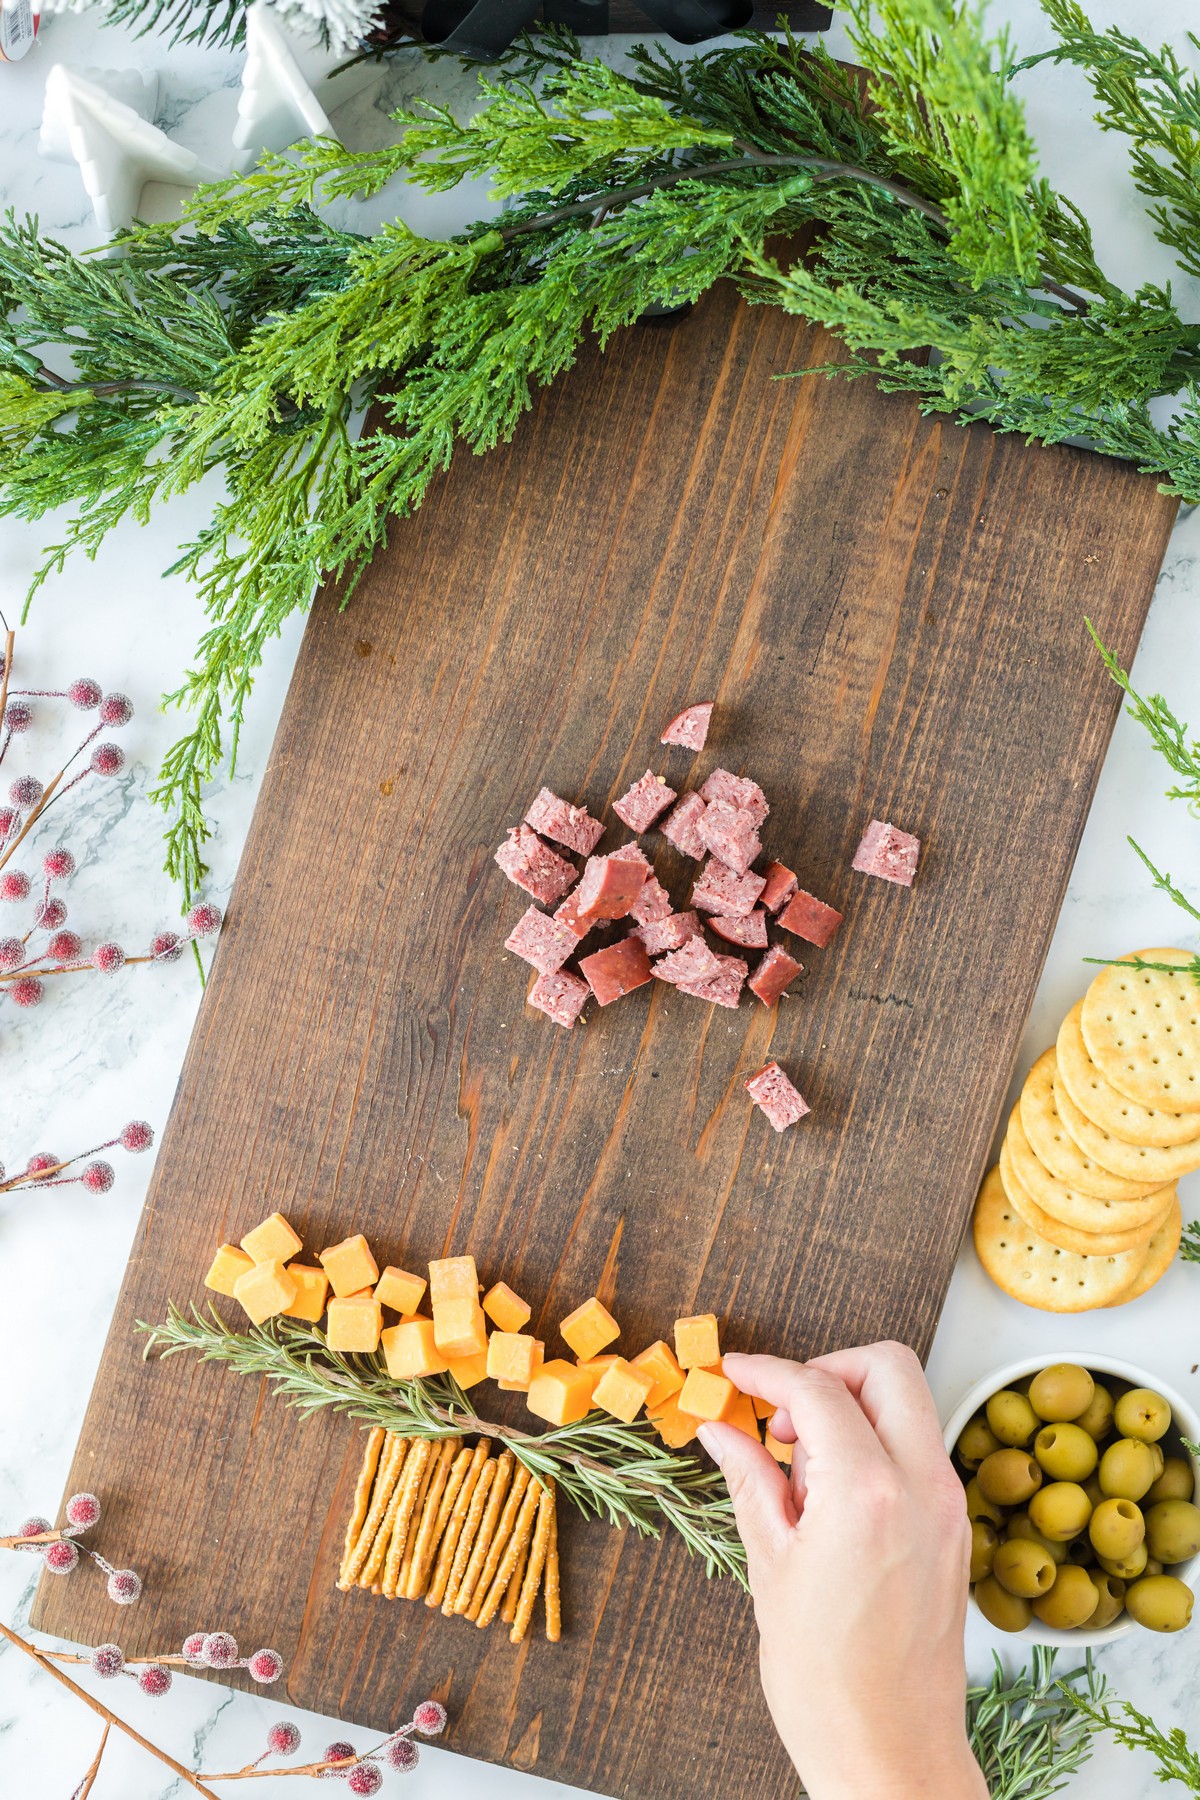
pixel 1169 735
pixel 607 1469
pixel 1176 1759
pixel 1031 1733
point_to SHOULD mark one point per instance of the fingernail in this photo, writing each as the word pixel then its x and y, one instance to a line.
pixel 712 1444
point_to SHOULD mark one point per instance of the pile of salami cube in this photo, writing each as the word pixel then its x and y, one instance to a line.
pixel 717 825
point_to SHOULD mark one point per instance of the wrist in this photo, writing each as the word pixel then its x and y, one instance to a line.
pixel 925 1770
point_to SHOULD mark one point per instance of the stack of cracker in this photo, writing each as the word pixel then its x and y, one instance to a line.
pixel 459 1528
pixel 1082 1210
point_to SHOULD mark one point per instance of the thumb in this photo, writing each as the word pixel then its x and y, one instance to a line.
pixel 758 1489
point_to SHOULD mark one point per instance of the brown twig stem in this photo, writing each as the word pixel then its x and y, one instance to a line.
pixel 9 641
pixel 97 1706
pixel 36 813
pixel 74 968
pixel 316 1768
pixel 26 1179
pixel 86 1785
pixel 173 1661
pixel 15 1542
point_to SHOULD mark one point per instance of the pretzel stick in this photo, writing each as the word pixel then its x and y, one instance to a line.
pixel 487 1532
pixel 372 1568
pixel 467 1537
pixel 427 1502
pixel 508 1562
pixel 432 1522
pixel 504 1531
pixel 414 1475
pixel 389 1464
pixel 362 1497
pixel 454 1481
pixel 454 1525
pixel 512 1592
pixel 553 1586
pixel 535 1566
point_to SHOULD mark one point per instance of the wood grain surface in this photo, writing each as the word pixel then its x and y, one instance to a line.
pixel 889 612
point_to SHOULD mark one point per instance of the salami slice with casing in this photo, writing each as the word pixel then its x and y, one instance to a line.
pixel 689 729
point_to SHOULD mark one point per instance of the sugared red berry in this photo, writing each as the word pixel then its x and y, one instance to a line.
pixel 220 1650
pixel 154 1680
pixel 115 709
pixel 283 1739
pixel 51 914
pixel 58 863
pixel 12 953
pixel 25 791
pixel 18 716
pixel 107 759
pixel 166 946
pixel 204 919
pixel 107 1660
pixel 108 958
pixel 403 1754
pixel 193 1647
pixel 340 1751
pixel 83 1511
pixel 430 1718
pixel 84 693
pixel 34 1527
pixel 28 991
pixel 124 1586
pixel 65 946
pixel 136 1136
pixel 14 885
pixel 265 1665
pixel 367 1778
pixel 40 1161
pixel 62 1557
pixel 98 1177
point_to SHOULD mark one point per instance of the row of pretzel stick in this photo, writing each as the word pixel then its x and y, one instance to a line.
pixel 472 1533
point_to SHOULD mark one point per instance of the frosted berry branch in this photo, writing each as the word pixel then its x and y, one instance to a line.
pixel 46 1169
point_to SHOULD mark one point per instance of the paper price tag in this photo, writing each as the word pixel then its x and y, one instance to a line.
pixel 18 28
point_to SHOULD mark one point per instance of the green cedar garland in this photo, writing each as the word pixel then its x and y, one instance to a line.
pixel 246 346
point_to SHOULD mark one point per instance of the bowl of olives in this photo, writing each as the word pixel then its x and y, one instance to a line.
pixel 1081 1488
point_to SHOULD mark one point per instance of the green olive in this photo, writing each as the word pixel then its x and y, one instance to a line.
pixel 1175 1483
pixel 1011 1418
pixel 1081 1551
pixel 1008 1477
pixel 1007 1612
pixel 1152 1567
pixel 1142 1414
pixel 1071 1601
pixel 1173 1531
pixel 1116 1528
pixel 1160 1602
pixel 984 1539
pixel 1160 1461
pixel 1127 1470
pixel 975 1441
pixel 1093 1490
pixel 1127 1568
pixel 1024 1568
pixel 1065 1452
pixel 1062 1391
pixel 1097 1420
pixel 1060 1510
pixel 1110 1591
pixel 980 1508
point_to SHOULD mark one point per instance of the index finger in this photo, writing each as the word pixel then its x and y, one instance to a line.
pixel 828 1421
pixel 889 1384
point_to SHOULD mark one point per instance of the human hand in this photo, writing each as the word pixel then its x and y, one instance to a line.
pixel 858 1562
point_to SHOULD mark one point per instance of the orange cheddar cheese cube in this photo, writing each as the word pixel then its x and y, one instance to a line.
pixel 312 1291
pixel 349 1266
pixel 706 1394
pixel 764 1409
pixel 522 1387
pixel 506 1310
pixel 560 1392
pixel 696 1341
pixel 468 1371
pixel 781 1452
pixel 399 1290
pixel 354 1323
pixel 410 1351
pixel 459 1327
pixel 453 1278
pixel 272 1241
pixel 227 1265
pixel 659 1362
pixel 675 1428
pixel 510 1357
pixel 597 1364
pixel 741 1414
pixel 589 1328
pixel 623 1390
pixel 264 1290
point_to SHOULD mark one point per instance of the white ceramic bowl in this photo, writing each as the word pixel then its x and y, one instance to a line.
pixel 1185 1422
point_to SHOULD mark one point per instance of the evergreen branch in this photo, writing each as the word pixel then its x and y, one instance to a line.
pixel 1028 1734
pixel 609 1470
pixel 1164 884
pixel 1176 1759
pixel 1168 734
pixel 1189 1244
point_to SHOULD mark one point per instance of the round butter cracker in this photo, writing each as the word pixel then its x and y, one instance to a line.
pixel 1142 1029
pixel 1136 1162
pixel 1160 1254
pixel 1056 1150
pixel 1083 1212
pixel 1104 1106
pixel 1027 1268
pixel 1067 1237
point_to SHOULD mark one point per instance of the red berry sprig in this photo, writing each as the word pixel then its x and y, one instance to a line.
pixel 362 1771
pixel 60 1549
pixel 45 1169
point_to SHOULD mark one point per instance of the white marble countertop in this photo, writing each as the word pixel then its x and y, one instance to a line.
pixel 92 1056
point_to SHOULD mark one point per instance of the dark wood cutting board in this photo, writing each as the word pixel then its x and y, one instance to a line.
pixel 889 612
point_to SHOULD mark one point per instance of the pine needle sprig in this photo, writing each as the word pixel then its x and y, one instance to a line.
pixel 1032 1732
pixel 612 1471
pixel 1168 734
pixel 1189 1247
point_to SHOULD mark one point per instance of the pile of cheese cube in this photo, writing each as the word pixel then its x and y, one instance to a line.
pixel 679 1388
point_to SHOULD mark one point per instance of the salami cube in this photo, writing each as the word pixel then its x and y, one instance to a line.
pixel 722 989
pixel 693 962
pixel 609 887
pixel 736 790
pixel 888 852
pixel 617 970
pixel 541 940
pixel 568 914
pixel 680 827
pixel 781 885
pixel 573 826
pixel 774 974
pixel 689 729
pixel 719 890
pixel 669 934
pixel 561 996
pixel 535 867
pixel 810 918
pixel 632 853
pixel 773 1094
pixel 729 834
pixel 646 801
pixel 653 904
pixel 750 932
